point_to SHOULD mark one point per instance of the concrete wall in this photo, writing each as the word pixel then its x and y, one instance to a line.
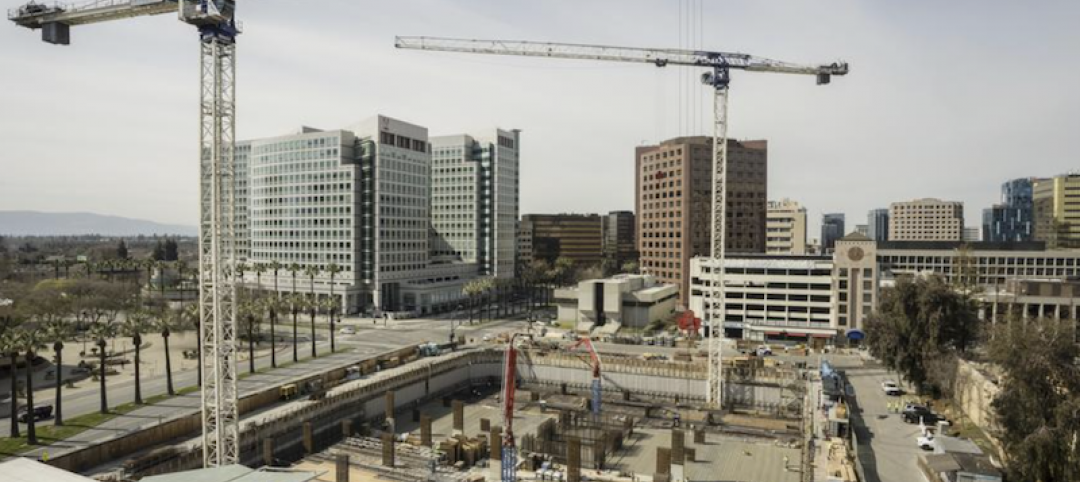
pixel 974 394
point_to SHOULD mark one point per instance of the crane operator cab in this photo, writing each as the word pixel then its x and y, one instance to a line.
pixel 213 17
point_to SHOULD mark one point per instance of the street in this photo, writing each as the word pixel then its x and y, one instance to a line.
pixel 887 447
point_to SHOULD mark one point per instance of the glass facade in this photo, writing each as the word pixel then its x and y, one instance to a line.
pixel 1012 220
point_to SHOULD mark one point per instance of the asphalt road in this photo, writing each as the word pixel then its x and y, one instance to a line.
pixel 887 447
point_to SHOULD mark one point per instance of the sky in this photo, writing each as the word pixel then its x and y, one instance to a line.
pixel 944 99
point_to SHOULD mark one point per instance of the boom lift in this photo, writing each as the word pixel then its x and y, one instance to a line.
pixel 217 120
pixel 718 75
pixel 596 387
pixel 509 456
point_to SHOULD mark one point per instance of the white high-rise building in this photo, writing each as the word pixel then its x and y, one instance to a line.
pixel 475 199
pixel 358 198
pixel 785 228
pixel 926 220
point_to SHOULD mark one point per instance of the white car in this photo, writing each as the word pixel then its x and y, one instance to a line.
pixel 891 388
pixel 764 350
pixel 348 330
pixel 925 442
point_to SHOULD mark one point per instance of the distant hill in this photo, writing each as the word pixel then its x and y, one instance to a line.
pixel 34 223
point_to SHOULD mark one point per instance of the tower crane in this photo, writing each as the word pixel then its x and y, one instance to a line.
pixel 718 67
pixel 217 29
pixel 597 391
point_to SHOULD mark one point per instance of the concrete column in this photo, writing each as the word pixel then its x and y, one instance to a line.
pixel 390 411
pixel 691 454
pixel 678 443
pixel 1042 310
pixel 485 425
pixel 425 430
pixel 309 440
pixel 268 452
pixel 699 437
pixel 416 415
pixel 388 449
pixel 495 442
pixel 346 428
pixel 663 460
pixel 459 417
pixel 573 459
pixel 342 468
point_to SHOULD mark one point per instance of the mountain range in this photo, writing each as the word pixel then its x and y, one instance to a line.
pixel 35 223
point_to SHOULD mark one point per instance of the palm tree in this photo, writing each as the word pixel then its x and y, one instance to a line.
pixel 311 271
pixel 181 268
pixel 333 269
pixel 102 331
pixel 164 324
pixel 193 316
pixel 149 264
pixel 330 305
pixel 135 324
pixel 272 306
pixel 240 269
pixel 296 303
pixel 249 312
pixel 9 345
pixel 30 341
pixel 58 330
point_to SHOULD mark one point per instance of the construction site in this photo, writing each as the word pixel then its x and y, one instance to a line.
pixel 543 410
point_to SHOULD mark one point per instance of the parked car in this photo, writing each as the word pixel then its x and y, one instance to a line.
pixel 925 442
pixel 764 350
pixel 348 330
pixel 43 412
pixel 914 413
pixel 891 388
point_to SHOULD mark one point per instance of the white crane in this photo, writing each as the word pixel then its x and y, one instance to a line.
pixel 217 121
pixel 720 65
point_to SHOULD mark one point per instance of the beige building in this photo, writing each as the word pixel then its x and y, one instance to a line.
pixel 926 220
pixel 628 300
pixel 855 282
pixel 785 229
pixel 674 204
pixel 1057 211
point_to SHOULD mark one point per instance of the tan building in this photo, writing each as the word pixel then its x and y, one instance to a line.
pixel 785 231
pixel 855 283
pixel 1057 211
pixel 674 204
pixel 553 236
pixel 926 220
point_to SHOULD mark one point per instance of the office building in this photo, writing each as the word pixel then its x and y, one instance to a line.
pixel 620 243
pixel 625 300
pixel 358 198
pixel 768 298
pixel 926 220
pixel 674 204
pixel 854 283
pixel 832 229
pixel 972 234
pixel 863 229
pixel 549 237
pixel 474 200
pixel 1013 219
pixel 785 229
pixel 877 227
pixel 1057 211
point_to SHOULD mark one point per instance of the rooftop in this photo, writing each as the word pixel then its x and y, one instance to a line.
pixel 26 470
pixel 233 473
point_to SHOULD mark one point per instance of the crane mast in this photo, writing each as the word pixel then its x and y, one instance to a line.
pixel 217 238
pixel 718 77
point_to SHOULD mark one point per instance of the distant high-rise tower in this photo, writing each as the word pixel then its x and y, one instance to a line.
pixel 674 204
pixel 926 220
pixel 878 225
pixel 1013 219
pixel 474 199
pixel 832 229
pixel 785 232
pixel 1057 211
pixel 620 244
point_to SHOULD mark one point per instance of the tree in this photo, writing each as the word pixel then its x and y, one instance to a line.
pixel 58 330
pixel 333 269
pixel 251 313
pixel 159 252
pixel 630 267
pixel 30 341
pixel 122 250
pixel 136 323
pixel 193 316
pixel 296 304
pixel 102 331
pixel 917 320
pixel 1038 406
pixel 9 345
pixel 272 305
pixel 330 305
pixel 165 323
pixel 172 250
pixel 313 305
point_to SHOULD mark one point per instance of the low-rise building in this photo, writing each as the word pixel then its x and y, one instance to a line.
pixel 768 298
pixel 628 300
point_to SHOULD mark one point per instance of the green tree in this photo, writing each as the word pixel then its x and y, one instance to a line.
pixel 30 340
pixel 172 250
pixel 273 305
pixel 9 346
pixel 165 323
pixel 136 323
pixel 917 321
pixel 102 331
pixel 630 267
pixel 1038 406
pixel 313 304
pixel 251 313
pixel 296 304
pixel 122 250
pixel 159 251
pixel 192 314
pixel 333 269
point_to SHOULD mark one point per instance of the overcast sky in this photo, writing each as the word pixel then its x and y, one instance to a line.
pixel 945 98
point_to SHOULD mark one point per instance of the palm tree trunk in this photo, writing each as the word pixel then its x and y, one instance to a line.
pixel 14 393
pixel 168 365
pixel 273 337
pixel 333 348
pixel 313 354
pixel 58 420
pixel 31 429
pixel 198 348
pixel 104 398
pixel 138 381
pixel 294 355
pixel 251 344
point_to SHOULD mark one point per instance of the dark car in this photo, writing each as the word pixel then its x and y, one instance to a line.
pixel 43 412
pixel 914 413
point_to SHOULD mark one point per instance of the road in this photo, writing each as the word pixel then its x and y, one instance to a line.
pixel 886 444
pixel 366 343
